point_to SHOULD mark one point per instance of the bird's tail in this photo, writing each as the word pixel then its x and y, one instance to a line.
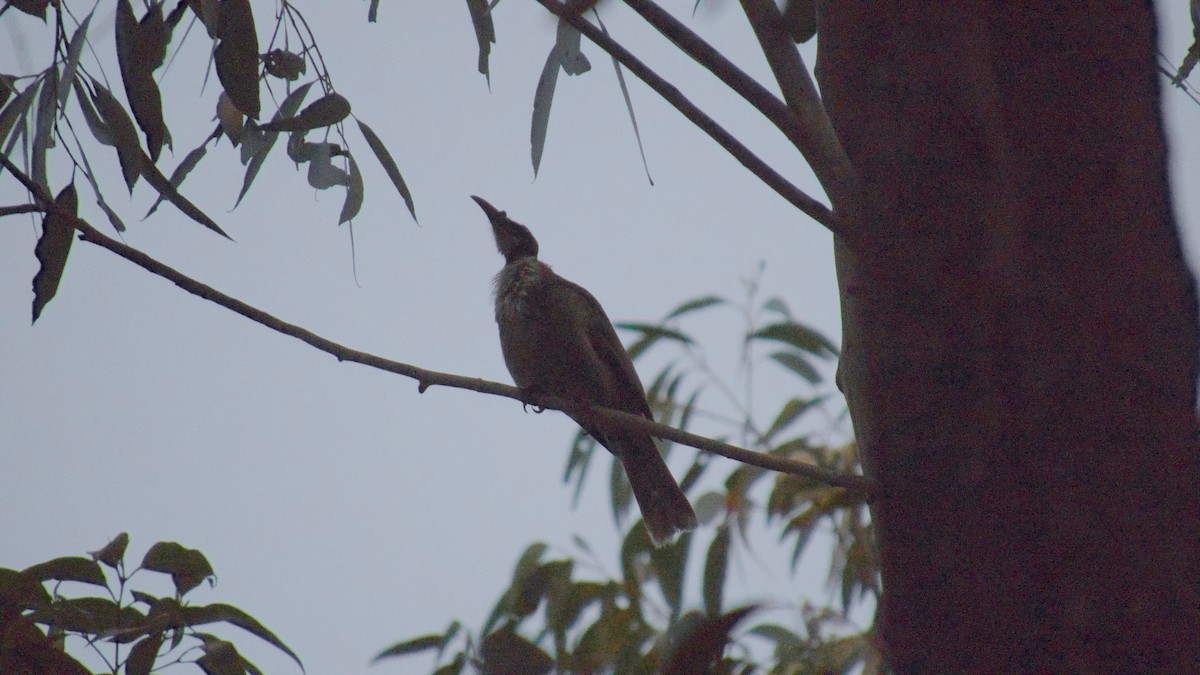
pixel 665 509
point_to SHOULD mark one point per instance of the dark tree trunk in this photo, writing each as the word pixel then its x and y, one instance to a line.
pixel 1020 335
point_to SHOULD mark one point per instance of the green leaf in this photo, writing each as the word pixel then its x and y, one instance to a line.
pixel 485 32
pixel 650 335
pixel 621 490
pixel 670 564
pixel 99 129
pixel 71 568
pixel 700 649
pixel 800 337
pixel 143 655
pixel 197 616
pixel 21 591
pixel 220 657
pixel 637 135
pixel 124 134
pixel 389 165
pixel 323 112
pixel 286 109
pixel 141 48
pixel 354 194
pixel 43 130
pixel 159 182
pixel 543 98
pixel 74 50
pixel 504 651
pixel 695 305
pixel 180 173
pixel 788 645
pixel 798 365
pixel 454 667
pixel 714 571
pixel 53 247
pixel 187 566
pixel 16 109
pixel 789 413
pixel 31 7
pixel 237 56
pixel 412 646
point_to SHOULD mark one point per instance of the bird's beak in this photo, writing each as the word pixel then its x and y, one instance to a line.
pixel 494 214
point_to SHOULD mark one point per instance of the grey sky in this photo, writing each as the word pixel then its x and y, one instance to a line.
pixel 337 505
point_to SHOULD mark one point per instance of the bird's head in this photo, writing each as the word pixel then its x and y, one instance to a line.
pixel 513 240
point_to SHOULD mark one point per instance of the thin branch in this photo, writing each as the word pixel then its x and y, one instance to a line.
pixel 20 208
pixel 427 378
pixel 725 70
pixel 818 142
pixel 794 195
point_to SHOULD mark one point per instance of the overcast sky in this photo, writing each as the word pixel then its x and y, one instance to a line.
pixel 337 505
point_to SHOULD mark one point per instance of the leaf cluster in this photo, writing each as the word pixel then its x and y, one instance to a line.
pixel 40 112
pixel 553 617
pixel 145 632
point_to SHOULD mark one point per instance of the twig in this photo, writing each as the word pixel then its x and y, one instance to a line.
pixel 794 195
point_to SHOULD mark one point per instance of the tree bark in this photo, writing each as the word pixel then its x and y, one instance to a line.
pixel 1021 344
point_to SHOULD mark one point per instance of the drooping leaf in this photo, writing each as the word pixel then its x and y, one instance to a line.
pixel 237 56
pixel 143 655
pixel 543 97
pixel 637 134
pixel 129 151
pixel 187 566
pixel 160 183
pixel 17 108
pixel 74 50
pixel 286 109
pixel 714 571
pixel 325 111
pixel 651 334
pixel 180 173
pixel 620 489
pixel 373 11
pixel 220 657
pixel 71 568
pixel 197 616
pixel 141 48
pixel 789 413
pixel 564 54
pixel 354 194
pixel 798 365
pixel 99 129
pixel 53 247
pixel 113 552
pixel 485 33
pixel 389 165
pixel 43 130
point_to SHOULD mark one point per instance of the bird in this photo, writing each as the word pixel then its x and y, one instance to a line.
pixel 557 341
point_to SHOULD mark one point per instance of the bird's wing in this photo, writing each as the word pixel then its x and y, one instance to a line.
pixel 630 395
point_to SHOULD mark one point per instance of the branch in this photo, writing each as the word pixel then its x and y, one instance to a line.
pixel 819 142
pixel 427 378
pixel 725 70
pixel 794 195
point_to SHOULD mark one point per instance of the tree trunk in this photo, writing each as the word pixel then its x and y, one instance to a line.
pixel 1020 329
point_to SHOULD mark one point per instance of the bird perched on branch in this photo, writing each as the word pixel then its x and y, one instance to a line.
pixel 558 341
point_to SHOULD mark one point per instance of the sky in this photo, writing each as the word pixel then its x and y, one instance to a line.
pixel 338 505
